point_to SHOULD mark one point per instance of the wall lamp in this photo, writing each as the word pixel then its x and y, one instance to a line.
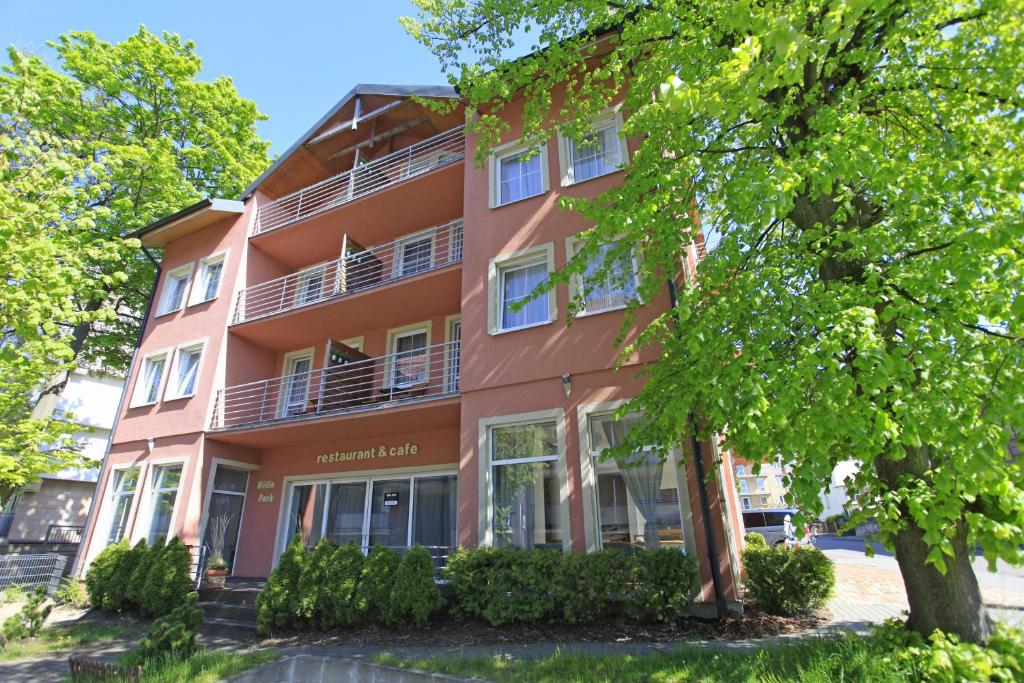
pixel 567 383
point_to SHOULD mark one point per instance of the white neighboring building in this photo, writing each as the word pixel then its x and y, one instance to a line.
pixel 63 499
pixel 835 497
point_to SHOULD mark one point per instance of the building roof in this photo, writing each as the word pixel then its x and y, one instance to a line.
pixel 189 219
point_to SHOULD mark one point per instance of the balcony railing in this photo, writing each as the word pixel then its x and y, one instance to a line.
pixel 411 375
pixel 421 157
pixel 362 269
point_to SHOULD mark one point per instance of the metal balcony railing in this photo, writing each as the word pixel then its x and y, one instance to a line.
pixel 409 375
pixel 421 157
pixel 361 269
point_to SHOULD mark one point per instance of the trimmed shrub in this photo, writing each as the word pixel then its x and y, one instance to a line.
pixel 414 594
pixel 504 585
pixel 71 593
pixel 373 594
pixel 752 539
pixel 592 586
pixel 311 599
pixel 27 622
pixel 172 635
pixel 97 579
pixel 275 605
pixel 137 583
pixel 664 581
pixel 168 581
pixel 342 582
pixel 788 580
pixel 115 596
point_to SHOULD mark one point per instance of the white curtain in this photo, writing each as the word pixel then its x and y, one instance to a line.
pixel 520 178
pixel 642 473
pixel 519 282
pixel 188 370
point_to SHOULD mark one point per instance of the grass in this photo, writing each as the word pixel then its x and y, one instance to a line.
pixel 57 638
pixel 206 666
pixel 818 660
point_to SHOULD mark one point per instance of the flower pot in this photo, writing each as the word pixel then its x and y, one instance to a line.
pixel 215 578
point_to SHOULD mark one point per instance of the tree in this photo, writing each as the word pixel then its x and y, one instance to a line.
pixel 158 139
pixel 859 164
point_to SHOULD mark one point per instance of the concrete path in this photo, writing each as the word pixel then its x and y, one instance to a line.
pixel 53 667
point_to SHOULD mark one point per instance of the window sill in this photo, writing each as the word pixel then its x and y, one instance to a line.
pixel 200 303
pixel 496 332
pixel 611 309
pixel 168 399
pixel 516 201
pixel 142 405
pixel 161 314
pixel 572 183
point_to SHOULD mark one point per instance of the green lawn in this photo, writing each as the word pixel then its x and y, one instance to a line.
pixel 819 660
pixel 56 638
pixel 206 666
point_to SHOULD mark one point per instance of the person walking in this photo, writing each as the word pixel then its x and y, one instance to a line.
pixel 789 531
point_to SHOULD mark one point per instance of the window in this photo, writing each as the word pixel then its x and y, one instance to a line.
pixel 124 483
pixel 409 366
pixel 526 501
pixel 225 512
pixel 637 505
pixel 743 486
pixel 762 484
pixel 512 279
pixel 415 255
pixel 295 383
pixel 454 355
pixel 607 282
pixel 741 470
pixel 165 491
pixel 151 379
pixel 210 270
pixel 518 172
pixel 309 286
pixel 779 481
pixel 175 285
pixel 599 153
pixel 746 503
pixel 764 500
pixel 186 372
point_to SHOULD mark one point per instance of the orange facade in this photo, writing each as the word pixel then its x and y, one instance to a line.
pixel 348 352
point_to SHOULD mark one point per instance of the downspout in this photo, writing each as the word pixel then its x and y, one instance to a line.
pixel 93 505
pixel 721 608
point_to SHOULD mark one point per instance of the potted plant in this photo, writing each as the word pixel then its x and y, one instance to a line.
pixel 216 572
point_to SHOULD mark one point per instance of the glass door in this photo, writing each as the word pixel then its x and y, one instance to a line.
pixel 389 514
pixel 345 513
pixel 296 386
pixel 224 515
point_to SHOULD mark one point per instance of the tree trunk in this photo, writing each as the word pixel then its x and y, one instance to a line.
pixel 950 602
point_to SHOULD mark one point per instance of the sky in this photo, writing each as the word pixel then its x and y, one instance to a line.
pixel 294 59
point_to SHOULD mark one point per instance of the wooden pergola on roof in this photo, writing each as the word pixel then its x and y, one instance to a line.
pixel 369 121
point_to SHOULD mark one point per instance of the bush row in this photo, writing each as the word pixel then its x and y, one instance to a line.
pixel 150 579
pixel 787 581
pixel 335 586
pixel 504 585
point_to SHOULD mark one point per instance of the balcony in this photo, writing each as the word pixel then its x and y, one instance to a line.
pixel 369 384
pixel 361 270
pixel 367 178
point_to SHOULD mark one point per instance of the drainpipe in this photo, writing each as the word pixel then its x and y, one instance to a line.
pixel 93 506
pixel 721 609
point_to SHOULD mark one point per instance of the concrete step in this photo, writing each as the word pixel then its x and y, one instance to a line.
pixel 229 595
pixel 230 628
pixel 230 611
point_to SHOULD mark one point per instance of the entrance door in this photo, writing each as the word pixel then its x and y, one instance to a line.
pixel 295 386
pixel 224 514
pixel 389 514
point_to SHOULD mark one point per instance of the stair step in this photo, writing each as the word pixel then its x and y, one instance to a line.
pixel 229 595
pixel 222 610
pixel 218 626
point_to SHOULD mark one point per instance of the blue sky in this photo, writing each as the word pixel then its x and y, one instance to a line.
pixel 295 59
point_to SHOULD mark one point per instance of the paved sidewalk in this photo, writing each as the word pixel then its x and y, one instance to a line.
pixel 53 667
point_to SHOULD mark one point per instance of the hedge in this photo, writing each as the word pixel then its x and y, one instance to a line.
pixel 151 579
pixel 788 581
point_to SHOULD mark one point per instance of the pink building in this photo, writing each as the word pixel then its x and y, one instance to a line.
pixel 337 354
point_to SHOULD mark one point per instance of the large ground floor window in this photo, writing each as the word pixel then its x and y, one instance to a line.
pixel 394 511
pixel 224 513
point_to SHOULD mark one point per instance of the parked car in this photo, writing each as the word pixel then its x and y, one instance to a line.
pixel 768 523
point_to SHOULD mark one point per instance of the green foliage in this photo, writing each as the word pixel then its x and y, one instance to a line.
pixel 342 580
pixel 137 582
pixel 172 635
pixel 592 586
pixel 373 594
pixel 13 593
pixel 414 593
pixel 942 658
pixel 856 168
pixel 787 581
pixel 663 583
pixel 27 622
pixel 71 593
pixel 115 596
pixel 102 568
pixel 168 581
pixel 276 604
pixel 312 604
pixel 752 539
pixel 503 585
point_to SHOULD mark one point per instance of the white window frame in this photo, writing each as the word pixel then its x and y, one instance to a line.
pixel 199 286
pixel 139 390
pixel 743 486
pixel 396 333
pixel 302 277
pixel 172 391
pixel 289 359
pixel 452 362
pixel 111 502
pixel 147 499
pixel 232 465
pixel 610 118
pixel 542 253
pixel 398 260
pixel 181 272
pixel 510 149
pixel 741 470
pixel 485 509
pixel 576 282
pixel 746 503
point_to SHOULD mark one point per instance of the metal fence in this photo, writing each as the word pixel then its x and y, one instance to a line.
pixel 197 565
pixel 44 569
pixel 64 534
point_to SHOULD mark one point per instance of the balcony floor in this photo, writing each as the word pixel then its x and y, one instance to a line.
pixel 385 419
pixel 399 302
